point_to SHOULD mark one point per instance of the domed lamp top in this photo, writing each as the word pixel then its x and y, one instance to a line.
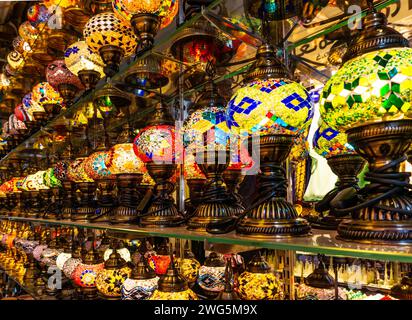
pixel 37 14
pixel 165 9
pixel 80 57
pixel 121 250
pixel 57 73
pixel 50 179
pixel 76 171
pixel 269 102
pixel 259 283
pixel 105 29
pixel 96 166
pixel 122 159
pixel 375 81
pixel 329 142
pixel 44 93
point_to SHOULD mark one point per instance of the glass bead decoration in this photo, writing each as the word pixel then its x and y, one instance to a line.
pixel 260 286
pixel 329 142
pixel 373 87
pixel 122 159
pixel 105 29
pixel 109 281
pixel 272 106
pixel 80 57
pixel 44 93
pixel 96 166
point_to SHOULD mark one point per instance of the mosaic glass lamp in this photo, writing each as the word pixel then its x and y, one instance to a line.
pixel 71 264
pixel 188 266
pixel 85 274
pixel 109 281
pixel 121 249
pixel 345 163
pixel 160 261
pixel 84 63
pixel 195 180
pixel 146 16
pixel 54 209
pixel 259 283
pixel 142 282
pixel 275 109
pixel 172 286
pixel 38 14
pixel 212 275
pixel 63 80
pixel 156 146
pixel 369 98
pixel 111 38
pixel 48 98
pixel 36 111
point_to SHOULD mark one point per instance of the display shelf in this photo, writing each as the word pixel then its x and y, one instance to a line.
pixel 28 289
pixel 320 241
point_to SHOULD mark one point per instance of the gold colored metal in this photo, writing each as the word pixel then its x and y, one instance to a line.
pixel 111 56
pixel 68 203
pixel 89 78
pixel 145 27
pixel 87 207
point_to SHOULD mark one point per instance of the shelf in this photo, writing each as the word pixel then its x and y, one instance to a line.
pixel 28 289
pixel 320 241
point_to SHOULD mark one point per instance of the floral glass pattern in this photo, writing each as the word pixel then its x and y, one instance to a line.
pixel 96 166
pixel 70 265
pixel 57 73
pixel 85 274
pixel 269 107
pixel 122 159
pixel 80 57
pixel 260 286
pixel 373 87
pixel 109 281
pixel 44 93
pixel 211 278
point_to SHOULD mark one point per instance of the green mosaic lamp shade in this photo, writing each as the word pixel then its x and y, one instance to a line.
pixel 50 180
pixel 373 87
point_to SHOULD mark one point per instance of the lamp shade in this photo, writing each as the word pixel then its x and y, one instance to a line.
pixel 31 105
pixel 60 170
pixel 96 166
pixel 259 283
pixel 76 171
pixel 62 259
pixel 70 265
pixel 375 86
pixel 85 274
pixel 22 114
pixel 38 13
pixel 105 29
pixel 34 181
pixel 212 274
pixel 166 9
pixel 60 3
pixel 156 143
pixel 122 159
pixel 15 60
pixel 188 268
pixel 21 45
pixel 80 57
pixel 57 73
pixel 159 263
pixel 269 106
pixel 44 93
pixel 329 142
pixel 28 32
pixel 50 179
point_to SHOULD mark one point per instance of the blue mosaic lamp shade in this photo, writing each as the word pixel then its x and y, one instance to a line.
pixel 329 142
pixel 376 86
pixel 271 106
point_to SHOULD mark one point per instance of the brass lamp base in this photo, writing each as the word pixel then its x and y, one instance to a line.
pixel 111 56
pixel 215 205
pixel 68 205
pixel 89 78
pixel 68 92
pixel 346 167
pixel 18 209
pixel 383 213
pixel 105 201
pixel 129 197
pixel 145 26
pixel 33 204
pixel 195 193
pixel 40 117
pixel 86 208
pixel 162 212
pixel 233 178
pixel 272 216
pixel 54 211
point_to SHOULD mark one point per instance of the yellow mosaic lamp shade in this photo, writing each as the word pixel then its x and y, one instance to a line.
pixel 375 86
pixel 188 268
pixel 109 281
pixel 329 142
pixel 300 147
pixel 191 168
pixel 271 106
pixel 105 29
pixel 44 93
pixel 80 57
pixel 182 295
pixel 76 171
pixel 165 9
pixel 17 183
pixel 60 3
pixel 122 159
pixel 28 33
pixel 259 283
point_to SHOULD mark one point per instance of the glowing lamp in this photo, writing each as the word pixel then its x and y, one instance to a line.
pixel 96 167
pixel 112 38
pixel 212 275
pixel 259 283
pixel 76 171
pixel 161 260
pixel 122 159
pixel 44 94
pixel 84 63
pixel 50 179
pixel 15 60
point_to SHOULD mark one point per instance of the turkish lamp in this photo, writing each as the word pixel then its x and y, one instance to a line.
pixel 161 260
pixel 212 275
pixel 373 88
pixel 71 264
pixel 228 292
pixel 84 63
pixel 188 266
pixel 109 281
pixel 121 250
pixel 65 255
pixel 258 282
pixel 142 282
pixel 111 38
pixel 172 286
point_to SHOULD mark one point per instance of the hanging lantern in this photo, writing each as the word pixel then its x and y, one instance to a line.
pixel 277 109
pixel 259 283
pixel 112 38
pixel 84 63
pixel 109 280
pixel 369 98
pixel 63 80
pixel 141 284
pixel 145 16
